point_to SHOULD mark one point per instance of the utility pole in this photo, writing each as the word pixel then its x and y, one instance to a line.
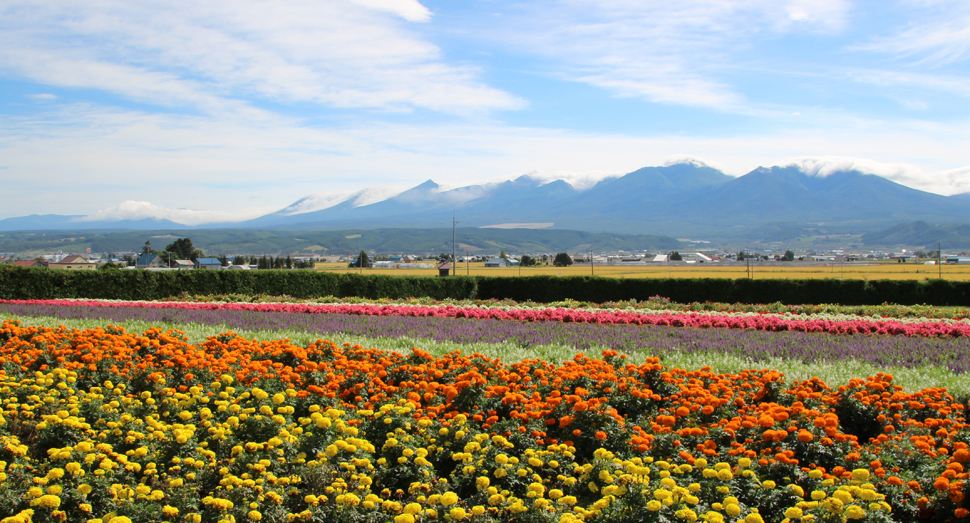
pixel 454 257
pixel 591 273
pixel 939 258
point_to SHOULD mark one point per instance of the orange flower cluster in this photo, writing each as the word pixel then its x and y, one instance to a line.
pixel 913 443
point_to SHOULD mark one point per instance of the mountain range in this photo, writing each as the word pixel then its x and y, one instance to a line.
pixel 684 199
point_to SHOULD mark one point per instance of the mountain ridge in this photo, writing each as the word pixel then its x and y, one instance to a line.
pixel 687 198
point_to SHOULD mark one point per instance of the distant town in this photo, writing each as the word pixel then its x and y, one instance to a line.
pixel 182 255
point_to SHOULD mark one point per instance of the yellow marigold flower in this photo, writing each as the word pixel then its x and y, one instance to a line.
pixel 47 501
pixel 768 484
pixel 732 510
pixel 478 510
pixel 404 518
pixel 482 483
pixel 793 513
pixel 449 498
pixel 860 475
pixel 855 512
pixel 842 495
pixel 254 515
pixel 412 508
pixel 457 513
pixel 170 511
pixel 753 518
pixel 654 505
pixel 119 519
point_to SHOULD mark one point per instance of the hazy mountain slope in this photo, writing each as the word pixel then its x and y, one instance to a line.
pixel 921 234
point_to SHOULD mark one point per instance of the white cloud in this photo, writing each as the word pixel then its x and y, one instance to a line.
pixel 938 33
pixel 219 54
pixel 132 210
pixel 951 84
pixel 693 160
pixel 665 52
pixel 410 10
pixel 324 200
pixel 947 182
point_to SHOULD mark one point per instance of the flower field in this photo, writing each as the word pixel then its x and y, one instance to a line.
pixel 107 425
pixel 765 322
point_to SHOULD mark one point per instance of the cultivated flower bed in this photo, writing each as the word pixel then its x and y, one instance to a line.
pixel 764 322
pixel 103 425
pixel 656 303
pixel 881 351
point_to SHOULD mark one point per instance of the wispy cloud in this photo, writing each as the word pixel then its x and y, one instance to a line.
pixel 938 33
pixel 214 55
pixel 218 163
pixel 672 52
pixel 134 210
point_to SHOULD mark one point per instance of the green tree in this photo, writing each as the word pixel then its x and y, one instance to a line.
pixel 147 248
pixel 527 261
pixel 562 260
pixel 675 256
pixel 741 256
pixel 503 255
pixel 789 256
pixel 361 261
pixel 182 249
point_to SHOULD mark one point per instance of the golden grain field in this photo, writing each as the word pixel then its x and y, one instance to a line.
pixel 795 270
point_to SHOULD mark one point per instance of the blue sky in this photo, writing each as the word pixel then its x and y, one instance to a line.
pixel 230 109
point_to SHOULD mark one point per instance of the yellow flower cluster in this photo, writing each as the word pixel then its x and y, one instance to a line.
pixel 116 453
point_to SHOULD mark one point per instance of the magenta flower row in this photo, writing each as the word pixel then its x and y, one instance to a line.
pixel 707 320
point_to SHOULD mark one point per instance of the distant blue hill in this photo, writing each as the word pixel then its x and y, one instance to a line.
pixel 58 222
pixel 686 199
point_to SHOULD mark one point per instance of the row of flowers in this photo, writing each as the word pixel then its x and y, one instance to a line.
pixel 106 426
pixel 760 322
pixel 653 304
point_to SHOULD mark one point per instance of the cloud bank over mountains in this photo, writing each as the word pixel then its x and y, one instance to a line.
pixel 957 181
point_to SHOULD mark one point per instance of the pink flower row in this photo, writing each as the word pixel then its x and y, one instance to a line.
pixel 724 321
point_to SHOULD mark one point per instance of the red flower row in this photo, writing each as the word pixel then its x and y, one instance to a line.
pixel 759 322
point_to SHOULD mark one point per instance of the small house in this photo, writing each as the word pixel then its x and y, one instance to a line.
pixel 496 263
pixel 73 263
pixel 149 261
pixel 209 264
pixel 184 265
pixel 444 269
pixel 29 263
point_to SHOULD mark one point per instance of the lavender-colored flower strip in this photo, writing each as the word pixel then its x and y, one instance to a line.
pixel 879 350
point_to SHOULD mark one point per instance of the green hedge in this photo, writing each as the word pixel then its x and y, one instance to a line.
pixel 28 283
pixel 547 289
pixel 20 283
